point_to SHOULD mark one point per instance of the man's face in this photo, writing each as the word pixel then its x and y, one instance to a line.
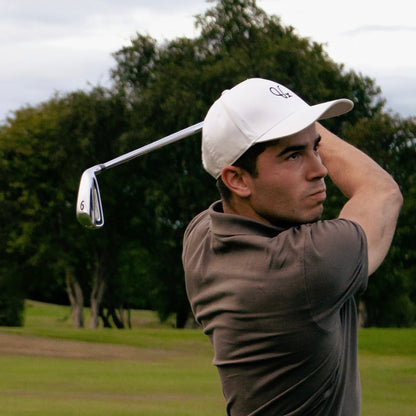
pixel 289 187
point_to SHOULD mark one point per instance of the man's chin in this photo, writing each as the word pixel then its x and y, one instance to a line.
pixel 313 218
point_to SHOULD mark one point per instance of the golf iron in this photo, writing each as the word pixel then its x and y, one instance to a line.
pixel 89 209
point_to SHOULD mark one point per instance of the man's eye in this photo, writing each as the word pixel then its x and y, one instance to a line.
pixel 293 156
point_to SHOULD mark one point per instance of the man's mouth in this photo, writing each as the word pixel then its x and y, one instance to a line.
pixel 319 195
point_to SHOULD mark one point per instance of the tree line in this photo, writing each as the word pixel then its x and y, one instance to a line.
pixel 158 88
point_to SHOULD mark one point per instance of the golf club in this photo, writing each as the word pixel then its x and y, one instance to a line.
pixel 89 209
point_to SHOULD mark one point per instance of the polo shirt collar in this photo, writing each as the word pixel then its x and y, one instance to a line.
pixel 232 224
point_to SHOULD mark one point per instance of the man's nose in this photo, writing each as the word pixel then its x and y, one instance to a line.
pixel 316 169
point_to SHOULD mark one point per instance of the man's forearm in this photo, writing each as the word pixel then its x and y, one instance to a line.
pixel 350 169
pixel 374 197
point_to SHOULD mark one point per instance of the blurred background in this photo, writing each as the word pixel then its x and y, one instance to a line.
pixel 85 81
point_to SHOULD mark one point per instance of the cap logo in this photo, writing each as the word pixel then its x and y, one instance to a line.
pixel 279 92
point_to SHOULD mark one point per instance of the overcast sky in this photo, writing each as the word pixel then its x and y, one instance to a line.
pixel 49 46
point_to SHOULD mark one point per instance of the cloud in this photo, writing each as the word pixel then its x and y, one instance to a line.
pixel 64 45
pixel 379 28
pixel 399 88
pixel 48 46
pixel 44 19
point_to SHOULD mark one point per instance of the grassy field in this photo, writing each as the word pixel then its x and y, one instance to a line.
pixel 50 369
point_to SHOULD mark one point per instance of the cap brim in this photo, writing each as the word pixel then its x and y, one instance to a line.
pixel 302 119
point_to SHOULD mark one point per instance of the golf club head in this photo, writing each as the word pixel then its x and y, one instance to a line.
pixel 89 208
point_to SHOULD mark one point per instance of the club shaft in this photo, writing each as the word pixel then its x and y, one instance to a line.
pixel 150 147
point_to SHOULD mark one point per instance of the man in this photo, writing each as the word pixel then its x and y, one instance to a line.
pixel 273 286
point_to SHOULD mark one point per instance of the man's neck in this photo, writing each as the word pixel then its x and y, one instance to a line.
pixel 242 208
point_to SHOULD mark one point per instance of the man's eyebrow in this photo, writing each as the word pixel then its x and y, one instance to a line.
pixel 298 147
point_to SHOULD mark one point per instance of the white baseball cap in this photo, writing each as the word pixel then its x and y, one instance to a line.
pixel 254 111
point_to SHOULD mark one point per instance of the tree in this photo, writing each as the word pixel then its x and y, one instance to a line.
pixel 44 150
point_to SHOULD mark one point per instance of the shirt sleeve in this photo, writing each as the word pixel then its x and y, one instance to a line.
pixel 335 266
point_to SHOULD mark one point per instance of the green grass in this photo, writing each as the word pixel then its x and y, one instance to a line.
pixel 46 316
pixel 47 386
pixel 54 321
pixel 178 380
pixel 387 360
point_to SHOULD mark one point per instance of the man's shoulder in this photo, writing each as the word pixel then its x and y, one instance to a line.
pixel 323 230
pixel 334 228
pixel 326 233
pixel 324 238
pixel 335 242
pixel 200 221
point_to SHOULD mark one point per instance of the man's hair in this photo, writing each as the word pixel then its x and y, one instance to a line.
pixel 248 162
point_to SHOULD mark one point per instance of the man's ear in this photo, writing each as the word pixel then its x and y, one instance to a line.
pixel 235 179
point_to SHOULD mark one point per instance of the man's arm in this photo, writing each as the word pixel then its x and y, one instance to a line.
pixel 374 197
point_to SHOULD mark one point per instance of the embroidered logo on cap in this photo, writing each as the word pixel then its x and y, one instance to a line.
pixel 279 92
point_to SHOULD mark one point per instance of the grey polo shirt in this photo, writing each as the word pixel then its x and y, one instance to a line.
pixel 278 306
